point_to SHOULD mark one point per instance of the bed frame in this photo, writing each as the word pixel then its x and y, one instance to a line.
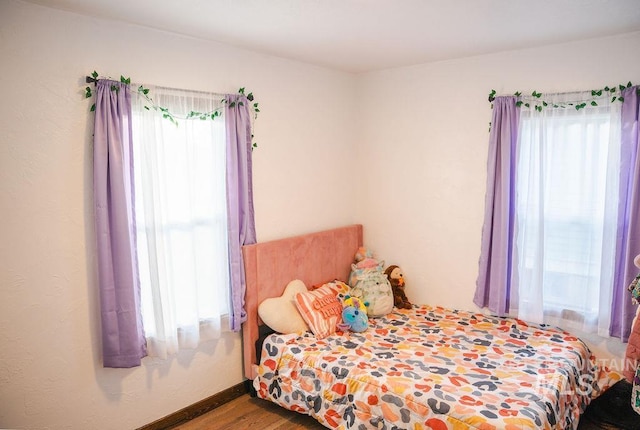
pixel 314 258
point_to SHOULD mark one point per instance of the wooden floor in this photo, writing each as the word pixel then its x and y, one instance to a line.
pixel 246 412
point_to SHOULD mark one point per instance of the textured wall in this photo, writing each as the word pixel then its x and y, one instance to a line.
pixel 50 367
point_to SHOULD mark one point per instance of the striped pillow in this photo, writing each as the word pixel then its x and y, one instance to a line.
pixel 321 309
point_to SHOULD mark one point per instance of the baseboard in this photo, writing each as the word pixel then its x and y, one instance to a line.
pixel 199 408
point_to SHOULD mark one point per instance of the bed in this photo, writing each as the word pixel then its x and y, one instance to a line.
pixel 422 368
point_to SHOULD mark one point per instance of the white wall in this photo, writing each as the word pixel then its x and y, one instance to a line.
pixel 423 148
pixel 50 367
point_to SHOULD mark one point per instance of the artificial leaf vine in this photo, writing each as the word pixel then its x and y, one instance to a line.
pixel 538 102
pixel 536 99
pixel 143 92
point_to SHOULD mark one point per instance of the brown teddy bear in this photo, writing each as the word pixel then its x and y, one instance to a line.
pixel 396 279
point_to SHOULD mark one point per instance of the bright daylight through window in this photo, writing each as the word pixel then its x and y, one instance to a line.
pixel 181 218
pixel 567 187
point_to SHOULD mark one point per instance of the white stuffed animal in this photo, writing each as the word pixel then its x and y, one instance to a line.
pixel 373 287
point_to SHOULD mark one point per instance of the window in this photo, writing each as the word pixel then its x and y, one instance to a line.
pixel 567 187
pixel 181 218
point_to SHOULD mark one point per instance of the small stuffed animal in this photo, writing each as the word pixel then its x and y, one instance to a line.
pixel 634 287
pixel 396 279
pixel 354 314
pixel 364 261
pixel 354 320
pixel 364 258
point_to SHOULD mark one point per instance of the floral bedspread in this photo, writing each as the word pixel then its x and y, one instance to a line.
pixel 434 368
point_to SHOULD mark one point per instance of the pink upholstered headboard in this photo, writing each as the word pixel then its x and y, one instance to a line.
pixel 314 258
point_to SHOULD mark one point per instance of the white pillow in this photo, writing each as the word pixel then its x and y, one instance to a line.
pixel 281 314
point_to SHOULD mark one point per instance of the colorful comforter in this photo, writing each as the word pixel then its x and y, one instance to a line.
pixel 433 368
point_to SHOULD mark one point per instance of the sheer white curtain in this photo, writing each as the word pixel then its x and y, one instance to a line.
pixel 567 198
pixel 182 220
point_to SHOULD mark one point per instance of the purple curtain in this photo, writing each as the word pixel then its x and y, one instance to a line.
pixel 123 340
pixel 493 286
pixel 241 223
pixel 628 237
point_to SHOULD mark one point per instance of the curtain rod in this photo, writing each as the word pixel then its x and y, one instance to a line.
pixel 92 80
pixel 601 92
pixel 493 96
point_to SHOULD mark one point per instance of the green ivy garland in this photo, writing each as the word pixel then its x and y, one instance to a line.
pixel 144 92
pixel 541 103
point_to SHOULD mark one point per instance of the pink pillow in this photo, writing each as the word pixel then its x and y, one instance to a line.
pixel 321 309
